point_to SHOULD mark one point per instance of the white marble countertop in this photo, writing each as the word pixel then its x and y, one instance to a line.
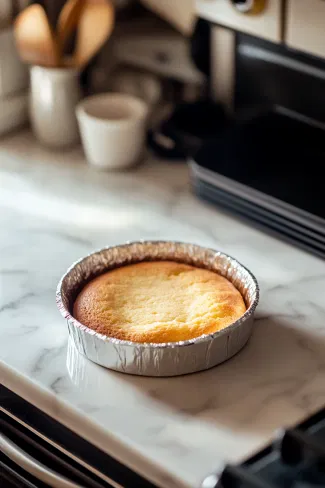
pixel 53 210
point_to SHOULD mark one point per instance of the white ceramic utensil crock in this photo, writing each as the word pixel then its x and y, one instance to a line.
pixel 54 95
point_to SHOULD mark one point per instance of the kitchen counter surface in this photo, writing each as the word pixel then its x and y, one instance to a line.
pixel 55 209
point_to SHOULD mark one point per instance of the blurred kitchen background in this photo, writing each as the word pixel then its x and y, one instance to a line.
pixel 234 88
pixel 147 54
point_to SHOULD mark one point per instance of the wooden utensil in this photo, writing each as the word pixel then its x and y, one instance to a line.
pixel 95 26
pixel 35 39
pixel 68 21
pixel 5 12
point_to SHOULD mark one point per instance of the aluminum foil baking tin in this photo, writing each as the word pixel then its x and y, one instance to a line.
pixel 167 359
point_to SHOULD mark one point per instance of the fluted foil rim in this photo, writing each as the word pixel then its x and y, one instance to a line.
pixel 232 263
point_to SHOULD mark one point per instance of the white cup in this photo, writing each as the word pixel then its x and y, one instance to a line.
pixel 113 129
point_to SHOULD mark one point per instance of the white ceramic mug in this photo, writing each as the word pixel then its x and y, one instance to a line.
pixel 113 129
pixel 54 94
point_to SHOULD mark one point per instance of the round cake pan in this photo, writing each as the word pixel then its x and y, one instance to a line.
pixel 167 359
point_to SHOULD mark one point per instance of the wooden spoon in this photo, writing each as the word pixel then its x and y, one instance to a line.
pixel 35 40
pixel 95 26
pixel 5 12
pixel 68 21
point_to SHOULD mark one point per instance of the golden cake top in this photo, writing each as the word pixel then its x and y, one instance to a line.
pixel 161 301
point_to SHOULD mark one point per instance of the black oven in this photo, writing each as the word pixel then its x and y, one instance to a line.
pixel 36 452
pixel 267 166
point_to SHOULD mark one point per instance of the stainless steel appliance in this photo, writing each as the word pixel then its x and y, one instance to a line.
pixel 267 68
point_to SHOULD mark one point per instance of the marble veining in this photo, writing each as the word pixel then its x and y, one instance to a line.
pixel 55 209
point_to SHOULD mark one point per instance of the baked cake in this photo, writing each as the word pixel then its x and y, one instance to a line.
pixel 158 302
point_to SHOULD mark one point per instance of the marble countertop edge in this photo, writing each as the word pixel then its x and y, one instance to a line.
pixel 69 416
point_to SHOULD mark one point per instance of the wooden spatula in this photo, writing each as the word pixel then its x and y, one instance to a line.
pixel 35 39
pixel 95 26
pixel 68 21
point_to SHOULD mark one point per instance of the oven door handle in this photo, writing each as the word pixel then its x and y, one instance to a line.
pixel 32 466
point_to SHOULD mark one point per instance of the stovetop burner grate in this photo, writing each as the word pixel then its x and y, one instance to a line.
pixel 296 459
